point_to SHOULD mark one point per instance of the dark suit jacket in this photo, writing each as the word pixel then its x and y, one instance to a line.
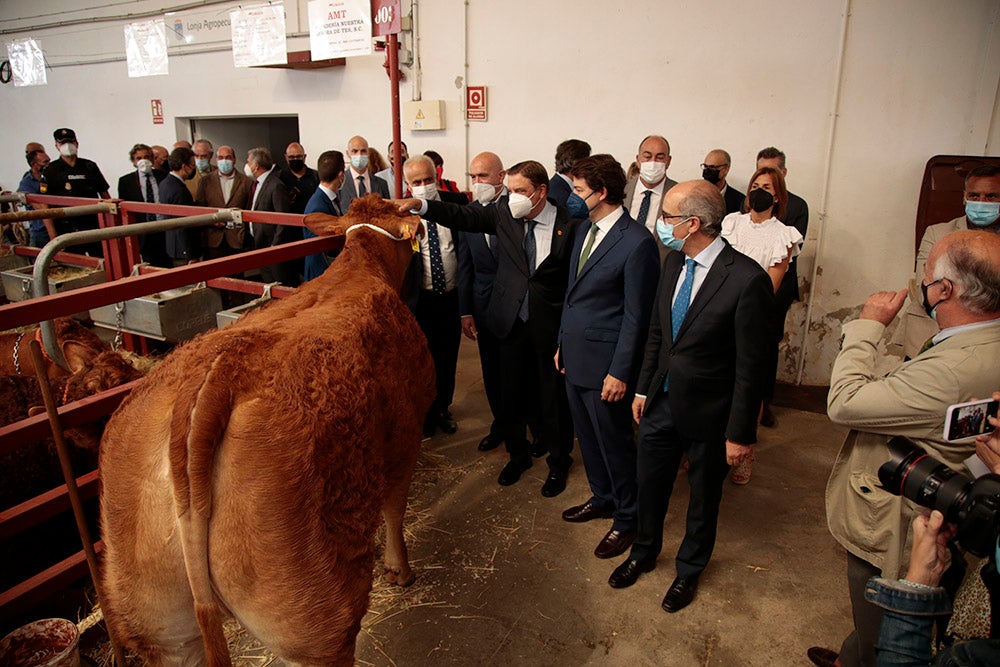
pixel 375 185
pixel 630 188
pixel 316 264
pixel 210 194
pixel 797 216
pixel 607 309
pixel 273 197
pixel 559 190
pixel 546 287
pixel 477 266
pixel 734 199
pixel 131 189
pixel 718 362
pixel 181 243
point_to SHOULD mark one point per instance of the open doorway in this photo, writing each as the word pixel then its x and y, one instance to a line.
pixel 244 133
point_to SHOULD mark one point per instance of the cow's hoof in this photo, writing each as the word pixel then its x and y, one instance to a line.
pixel 396 578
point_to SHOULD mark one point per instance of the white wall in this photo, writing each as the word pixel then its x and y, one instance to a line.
pixel 918 78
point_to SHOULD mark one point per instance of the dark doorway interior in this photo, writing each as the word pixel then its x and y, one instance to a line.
pixel 246 132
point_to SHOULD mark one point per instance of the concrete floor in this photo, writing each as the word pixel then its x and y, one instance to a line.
pixel 503 580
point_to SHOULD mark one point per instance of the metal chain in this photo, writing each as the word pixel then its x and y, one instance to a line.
pixel 17 362
pixel 119 325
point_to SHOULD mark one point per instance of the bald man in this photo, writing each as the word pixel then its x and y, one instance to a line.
pixel 300 180
pixel 961 291
pixel 360 180
pixel 644 191
pixel 160 154
pixel 715 169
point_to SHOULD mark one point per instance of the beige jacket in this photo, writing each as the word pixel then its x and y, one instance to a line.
pixel 911 401
pixel 914 326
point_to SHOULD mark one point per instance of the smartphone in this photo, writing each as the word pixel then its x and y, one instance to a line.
pixel 967 420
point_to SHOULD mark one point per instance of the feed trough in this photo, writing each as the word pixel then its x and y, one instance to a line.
pixel 18 283
pixel 173 315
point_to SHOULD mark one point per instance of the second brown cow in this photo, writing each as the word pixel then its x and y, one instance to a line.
pixel 247 473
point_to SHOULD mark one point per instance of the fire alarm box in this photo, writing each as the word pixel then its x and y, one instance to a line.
pixel 423 115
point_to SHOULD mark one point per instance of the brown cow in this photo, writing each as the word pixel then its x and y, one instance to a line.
pixel 246 473
pixel 78 344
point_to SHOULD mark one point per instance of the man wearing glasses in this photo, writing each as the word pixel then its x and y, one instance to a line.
pixel 714 169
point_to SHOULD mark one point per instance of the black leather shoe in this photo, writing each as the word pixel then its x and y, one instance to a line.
pixel 586 512
pixel 823 657
pixel 490 442
pixel 446 423
pixel 628 572
pixel 513 471
pixel 538 449
pixel 555 484
pixel 680 594
pixel 614 543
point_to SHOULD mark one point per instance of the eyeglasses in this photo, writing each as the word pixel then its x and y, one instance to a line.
pixel 714 166
pixel 662 217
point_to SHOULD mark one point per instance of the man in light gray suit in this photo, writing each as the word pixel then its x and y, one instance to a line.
pixel 360 180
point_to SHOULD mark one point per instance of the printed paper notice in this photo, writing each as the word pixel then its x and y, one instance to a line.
pixel 146 48
pixel 259 35
pixel 27 62
pixel 340 28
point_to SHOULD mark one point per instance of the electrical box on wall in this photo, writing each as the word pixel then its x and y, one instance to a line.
pixel 423 115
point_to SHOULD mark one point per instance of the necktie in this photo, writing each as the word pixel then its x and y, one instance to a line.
pixel 530 255
pixel 437 264
pixel 644 207
pixel 680 308
pixel 362 190
pixel 928 344
pixel 150 196
pixel 587 248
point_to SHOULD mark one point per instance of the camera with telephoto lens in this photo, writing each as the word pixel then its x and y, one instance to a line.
pixel 972 504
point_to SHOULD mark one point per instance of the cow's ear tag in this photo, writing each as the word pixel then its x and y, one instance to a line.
pixel 414 243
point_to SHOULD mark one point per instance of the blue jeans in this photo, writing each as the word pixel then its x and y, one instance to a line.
pixel 38 238
pixel 907 621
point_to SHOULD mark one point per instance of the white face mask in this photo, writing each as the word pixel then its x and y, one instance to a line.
pixel 360 162
pixel 248 171
pixel 424 191
pixel 225 166
pixel 69 150
pixel 144 166
pixel 520 205
pixel 652 172
pixel 484 192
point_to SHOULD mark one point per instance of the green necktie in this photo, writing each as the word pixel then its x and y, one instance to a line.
pixel 587 248
pixel 926 346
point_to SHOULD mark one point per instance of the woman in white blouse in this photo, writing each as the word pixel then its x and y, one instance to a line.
pixel 760 235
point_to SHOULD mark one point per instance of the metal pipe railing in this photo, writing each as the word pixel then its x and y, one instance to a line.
pixel 13 198
pixel 54 213
pixel 40 287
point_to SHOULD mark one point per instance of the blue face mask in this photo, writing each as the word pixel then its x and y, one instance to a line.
pixel 202 165
pixel 576 206
pixel 982 213
pixel 666 234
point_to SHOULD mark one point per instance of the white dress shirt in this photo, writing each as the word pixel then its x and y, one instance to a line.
pixel 703 263
pixel 448 255
pixel 545 223
pixel 655 200
pixel 604 225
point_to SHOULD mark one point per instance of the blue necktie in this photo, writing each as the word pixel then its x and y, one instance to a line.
pixel 437 264
pixel 644 207
pixel 530 255
pixel 680 308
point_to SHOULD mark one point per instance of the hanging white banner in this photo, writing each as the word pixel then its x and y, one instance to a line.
pixel 27 62
pixel 340 28
pixel 259 35
pixel 146 48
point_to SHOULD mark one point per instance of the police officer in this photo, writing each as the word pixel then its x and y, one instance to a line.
pixel 72 176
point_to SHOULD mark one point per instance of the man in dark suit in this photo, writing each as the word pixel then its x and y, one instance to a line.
pixel 433 284
pixel 143 185
pixel 796 215
pixel 183 245
pixel 644 191
pixel 612 281
pixel 224 187
pixel 330 168
pixel 560 185
pixel 715 169
pixel 477 270
pixel 534 241
pixel 360 180
pixel 269 194
pixel 700 387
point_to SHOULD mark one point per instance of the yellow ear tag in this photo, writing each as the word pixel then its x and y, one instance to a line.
pixel 414 243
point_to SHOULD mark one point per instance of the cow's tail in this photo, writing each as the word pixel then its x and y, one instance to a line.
pixel 201 416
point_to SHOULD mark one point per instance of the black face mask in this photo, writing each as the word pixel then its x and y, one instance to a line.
pixel 928 308
pixel 296 165
pixel 761 200
pixel 711 175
